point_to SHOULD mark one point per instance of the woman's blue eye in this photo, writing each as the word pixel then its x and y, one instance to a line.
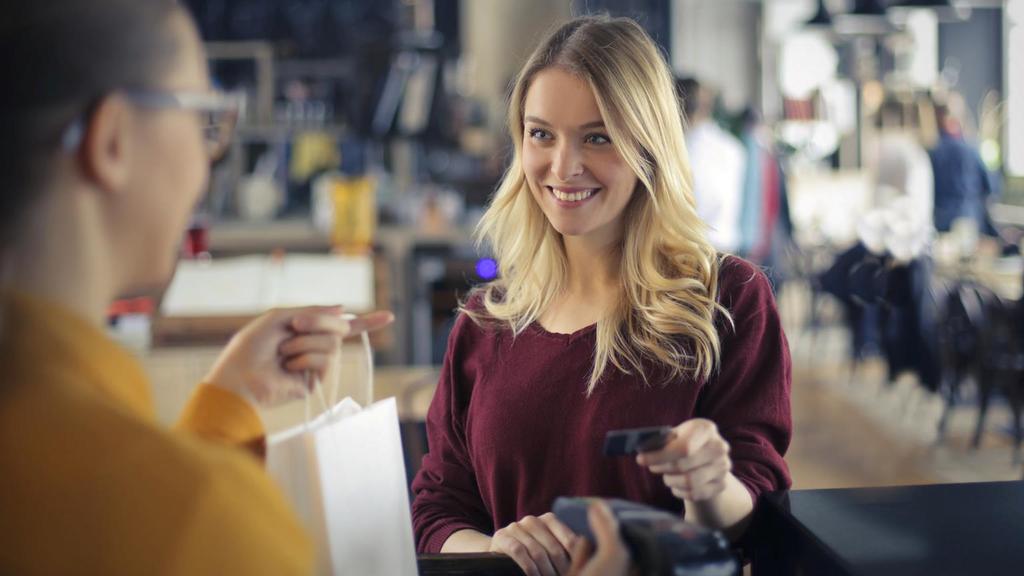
pixel 598 139
pixel 539 134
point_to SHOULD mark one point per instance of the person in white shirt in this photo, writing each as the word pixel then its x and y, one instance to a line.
pixel 899 219
pixel 718 162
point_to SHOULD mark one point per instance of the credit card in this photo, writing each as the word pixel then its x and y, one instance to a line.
pixel 634 440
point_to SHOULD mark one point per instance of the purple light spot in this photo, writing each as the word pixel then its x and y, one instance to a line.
pixel 487 268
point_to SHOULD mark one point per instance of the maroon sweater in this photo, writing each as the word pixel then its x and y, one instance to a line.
pixel 510 427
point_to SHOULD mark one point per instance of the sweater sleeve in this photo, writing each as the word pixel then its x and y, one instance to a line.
pixel 221 416
pixel 447 497
pixel 749 398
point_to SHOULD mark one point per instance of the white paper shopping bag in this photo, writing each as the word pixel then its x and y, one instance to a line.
pixel 344 473
pixel 345 477
pixel 366 500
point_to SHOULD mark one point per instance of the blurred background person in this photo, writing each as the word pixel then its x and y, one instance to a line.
pixel 899 215
pixel 963 187
pixel 718 164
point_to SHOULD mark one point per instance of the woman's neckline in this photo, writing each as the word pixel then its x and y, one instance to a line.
pixel 563 336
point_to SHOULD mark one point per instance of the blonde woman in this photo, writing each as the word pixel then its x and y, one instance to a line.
pixel 612 311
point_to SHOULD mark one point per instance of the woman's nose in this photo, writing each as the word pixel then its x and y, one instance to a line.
pixel 568 163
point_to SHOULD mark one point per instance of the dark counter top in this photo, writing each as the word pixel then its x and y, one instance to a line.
pixel 484 564
pixel 969 529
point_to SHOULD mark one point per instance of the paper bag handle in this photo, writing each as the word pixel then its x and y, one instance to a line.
pixel 313 381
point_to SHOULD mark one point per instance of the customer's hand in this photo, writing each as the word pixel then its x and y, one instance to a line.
pixel 611 558
pixel 539 544
pixel 267 360
pixel 695 464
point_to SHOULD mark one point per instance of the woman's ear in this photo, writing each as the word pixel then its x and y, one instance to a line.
pixel 105 153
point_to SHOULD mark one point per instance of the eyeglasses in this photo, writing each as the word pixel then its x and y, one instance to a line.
pixel 218 111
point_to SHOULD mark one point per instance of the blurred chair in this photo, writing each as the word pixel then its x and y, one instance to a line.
pixel 804 270
pixel 1002 367
pixel 965 306
pixel 857 279
pixel 908 317
pixel 889 307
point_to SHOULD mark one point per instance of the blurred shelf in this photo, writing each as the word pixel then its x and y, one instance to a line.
pixel 284 132
pixel 244 237
pixel 299 234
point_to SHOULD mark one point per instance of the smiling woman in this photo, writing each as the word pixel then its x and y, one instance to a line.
pixel 612 310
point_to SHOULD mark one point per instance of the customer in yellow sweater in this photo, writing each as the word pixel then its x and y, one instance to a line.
pixel 105 141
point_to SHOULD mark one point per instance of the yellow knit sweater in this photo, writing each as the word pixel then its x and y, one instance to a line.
pixel 91 484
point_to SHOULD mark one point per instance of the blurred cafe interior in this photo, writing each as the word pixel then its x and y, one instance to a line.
pixel 866 155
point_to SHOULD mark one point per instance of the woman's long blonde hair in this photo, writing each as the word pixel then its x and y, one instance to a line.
pixel 669 270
